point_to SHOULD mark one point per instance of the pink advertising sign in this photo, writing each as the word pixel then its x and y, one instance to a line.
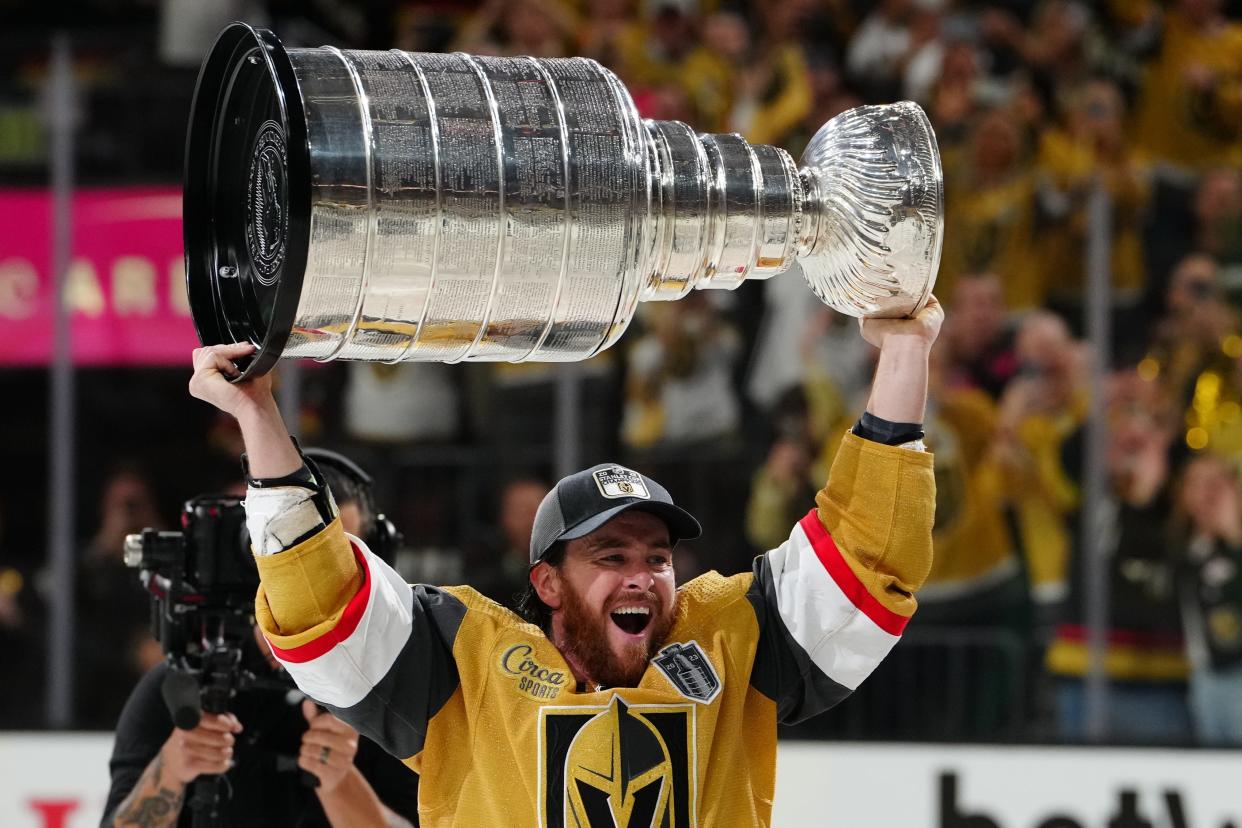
pixel 126 284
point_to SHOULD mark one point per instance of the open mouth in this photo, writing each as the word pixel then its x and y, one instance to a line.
pixel 631 620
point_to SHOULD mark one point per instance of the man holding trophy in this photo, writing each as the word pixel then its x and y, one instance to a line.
pixel 393 206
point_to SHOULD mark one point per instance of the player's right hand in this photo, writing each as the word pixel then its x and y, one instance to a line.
pixel 207 749
pixel 919 330
pixel 213 370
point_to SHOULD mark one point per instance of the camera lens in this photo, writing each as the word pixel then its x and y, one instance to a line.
pixel 133 551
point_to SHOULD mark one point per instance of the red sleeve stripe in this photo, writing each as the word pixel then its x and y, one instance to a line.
pixel 834 563
pixel 354 610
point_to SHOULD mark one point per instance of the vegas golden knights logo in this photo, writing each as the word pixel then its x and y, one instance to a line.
pixel 619 766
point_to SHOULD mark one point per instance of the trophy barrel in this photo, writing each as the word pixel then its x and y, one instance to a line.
pixel 246 236
pixel 446 207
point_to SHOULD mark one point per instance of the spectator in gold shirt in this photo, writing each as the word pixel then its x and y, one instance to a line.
pixel 752 82
pixel 989 213
pixel 1042 408
pixel 1090 151
pixel 1191 108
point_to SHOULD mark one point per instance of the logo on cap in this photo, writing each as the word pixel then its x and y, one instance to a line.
pixel 617 481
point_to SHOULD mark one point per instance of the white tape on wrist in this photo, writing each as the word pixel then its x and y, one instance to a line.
pixel 277 517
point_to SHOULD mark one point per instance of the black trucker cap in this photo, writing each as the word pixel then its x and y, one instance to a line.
pixel 582 502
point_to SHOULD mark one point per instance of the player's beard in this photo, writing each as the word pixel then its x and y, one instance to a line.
pixel 588 642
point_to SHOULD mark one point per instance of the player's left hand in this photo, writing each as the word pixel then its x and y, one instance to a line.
pixel 919 330
pixel 328 747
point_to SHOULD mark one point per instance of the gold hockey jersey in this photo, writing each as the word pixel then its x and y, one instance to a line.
pixel 487 710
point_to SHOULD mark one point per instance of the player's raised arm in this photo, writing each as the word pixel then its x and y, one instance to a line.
pixel 836 596
pixel 349 630
pixel 899 391
pixel 270 451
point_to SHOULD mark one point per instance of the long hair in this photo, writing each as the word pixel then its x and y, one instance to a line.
pixel 529 605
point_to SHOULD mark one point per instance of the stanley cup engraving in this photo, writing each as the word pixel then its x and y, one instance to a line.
pixel 390 206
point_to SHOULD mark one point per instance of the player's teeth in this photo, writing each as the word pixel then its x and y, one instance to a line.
pixel 633 611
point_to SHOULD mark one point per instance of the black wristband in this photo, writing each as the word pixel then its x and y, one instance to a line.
pixel 307 477
pixel 303 477
pixel 879 430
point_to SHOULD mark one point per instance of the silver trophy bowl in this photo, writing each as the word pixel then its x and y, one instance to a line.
pixel 391 206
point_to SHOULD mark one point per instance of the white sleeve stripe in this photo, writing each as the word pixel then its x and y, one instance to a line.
pixel 840 639
pixel 345 674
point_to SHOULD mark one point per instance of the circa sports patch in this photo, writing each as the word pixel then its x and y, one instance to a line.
pixel 618 481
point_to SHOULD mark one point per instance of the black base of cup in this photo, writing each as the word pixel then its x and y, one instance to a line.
pixel 246 201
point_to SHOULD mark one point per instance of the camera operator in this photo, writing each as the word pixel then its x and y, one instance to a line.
pixel 272 746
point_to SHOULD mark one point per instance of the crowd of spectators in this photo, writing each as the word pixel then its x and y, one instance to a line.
pixel 1064 127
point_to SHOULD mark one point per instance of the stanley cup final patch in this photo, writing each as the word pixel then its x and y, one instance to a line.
pixel 689 669
pixel 618 481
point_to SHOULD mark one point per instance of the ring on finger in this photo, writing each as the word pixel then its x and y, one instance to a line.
pixel 323 754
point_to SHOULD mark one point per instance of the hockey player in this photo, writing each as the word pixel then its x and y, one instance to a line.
pixel 629 702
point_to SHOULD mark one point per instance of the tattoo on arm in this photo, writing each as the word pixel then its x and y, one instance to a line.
pixel 150 804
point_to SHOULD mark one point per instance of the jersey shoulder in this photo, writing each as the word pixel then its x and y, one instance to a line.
pixel 477 602
pixel 711 597
pixel 493 640
pixel 484 610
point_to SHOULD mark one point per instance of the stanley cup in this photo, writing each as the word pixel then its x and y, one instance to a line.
pixel 390 206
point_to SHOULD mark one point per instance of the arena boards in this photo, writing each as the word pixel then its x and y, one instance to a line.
pixel 61 781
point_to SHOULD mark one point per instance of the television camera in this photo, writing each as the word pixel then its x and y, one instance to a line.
pixel 202 582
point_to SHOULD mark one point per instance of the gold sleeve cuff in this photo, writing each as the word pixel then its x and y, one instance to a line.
pixel 307 586
pixel 879 505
